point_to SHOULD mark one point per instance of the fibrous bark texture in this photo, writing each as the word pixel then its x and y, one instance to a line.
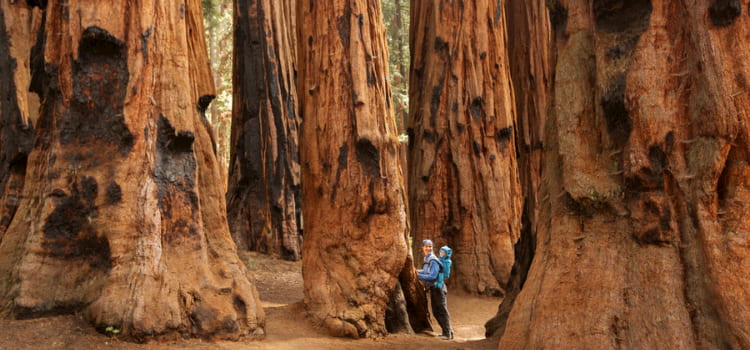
pixel 355 221
pixel 463 183
pixel 642 243
pixel 123 217
pixel 19 24
pixel 530 56
pixel 264 193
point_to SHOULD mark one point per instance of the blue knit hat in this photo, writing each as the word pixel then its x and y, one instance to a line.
pixel 426 242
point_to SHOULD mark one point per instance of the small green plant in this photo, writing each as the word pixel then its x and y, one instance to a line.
pixel 251 264
pixel 112 330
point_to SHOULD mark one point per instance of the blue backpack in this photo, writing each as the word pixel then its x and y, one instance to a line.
pixel 445 271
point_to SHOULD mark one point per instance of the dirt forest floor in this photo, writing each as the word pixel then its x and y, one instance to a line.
pixel 279 284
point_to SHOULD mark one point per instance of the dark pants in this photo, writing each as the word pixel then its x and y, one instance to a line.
pixel 440 308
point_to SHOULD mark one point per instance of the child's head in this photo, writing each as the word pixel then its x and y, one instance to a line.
pixel 446 252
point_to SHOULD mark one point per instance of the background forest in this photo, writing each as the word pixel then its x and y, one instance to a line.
pixel 217 16
pixel 587 161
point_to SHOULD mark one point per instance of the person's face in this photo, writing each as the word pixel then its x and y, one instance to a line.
pixel 427 249
pixel 442 253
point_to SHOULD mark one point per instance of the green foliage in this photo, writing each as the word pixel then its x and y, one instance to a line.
pixel 112 330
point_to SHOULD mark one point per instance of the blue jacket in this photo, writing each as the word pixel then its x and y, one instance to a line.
pixel 430 270
pixel 446 264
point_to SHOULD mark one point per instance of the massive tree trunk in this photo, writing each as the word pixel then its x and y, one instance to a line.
pixel 642 243
pixel 19 24
pixel 530 56
pixel 123 217
pixel 355 222
pixel 463 182
pixel 264 175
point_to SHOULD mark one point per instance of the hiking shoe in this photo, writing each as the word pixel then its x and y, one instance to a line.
pixel 448 336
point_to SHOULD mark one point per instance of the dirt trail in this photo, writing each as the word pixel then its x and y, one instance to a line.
pixel 279 284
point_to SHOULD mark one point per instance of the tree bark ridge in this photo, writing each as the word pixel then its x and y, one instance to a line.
pixel 531 56
pixel 19 24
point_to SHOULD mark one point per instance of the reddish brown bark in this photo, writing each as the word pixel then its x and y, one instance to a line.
pixel 530 56
pixel 19 24
pixel 463 183
pixel 642 241
pixel 355 223
pixel 123 217
pixel 264 193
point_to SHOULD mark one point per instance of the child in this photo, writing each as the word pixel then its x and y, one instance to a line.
pixel 445 259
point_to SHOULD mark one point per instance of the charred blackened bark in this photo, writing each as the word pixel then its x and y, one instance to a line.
pixel 19 24
pixel 264 183
pixel 642 242
pixel 463 182
pixel 124 215
pixel 415 297
pixel 355 243
pixel 396 314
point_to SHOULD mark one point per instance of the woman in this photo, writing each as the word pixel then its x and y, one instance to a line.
pixel 429 274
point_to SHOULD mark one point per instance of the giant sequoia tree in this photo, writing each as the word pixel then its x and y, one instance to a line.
pixel 463 182
pixel 123 212
pixel 355 246
pixel 19 23
pixel 530 56
pixel 264 194
pixel 642 235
